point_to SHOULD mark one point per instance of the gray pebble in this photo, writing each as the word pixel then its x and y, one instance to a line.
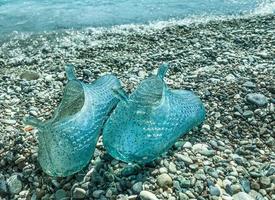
pixel 242 196
pixel 146 195
pixel 60 194
pixel 137 187
pixel 164 180
pixel 214 191
pixel 257 99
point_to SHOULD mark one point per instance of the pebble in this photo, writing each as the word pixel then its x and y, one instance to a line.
pixel 3 187
pixel 248 113
pixel 137 187
pixel 257 99
pixel 8 121
pixel 146 195
pixel 130 170
pixel 265 181
pixel 164 180
pixel 60 194
pixel 249 84
pixel 214 191
pixel 245 184
pixel 79 193
pixel 242 196
pixel 186 159
pixel 14 184
pixel 236 188
pixel 172 167
pixel 29 75
pixel 98 193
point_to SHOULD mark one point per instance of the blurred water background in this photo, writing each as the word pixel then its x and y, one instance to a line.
pixel 45 15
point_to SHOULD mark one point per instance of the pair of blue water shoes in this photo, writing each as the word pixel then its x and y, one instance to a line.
pixel 136 128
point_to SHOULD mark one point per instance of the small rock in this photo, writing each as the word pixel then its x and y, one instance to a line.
pixel 236 188
pixel 248 113
pixel 146 195
pixel 79 193
pixel 87 72
pixel 230 78
pixel 265 181
pixel 172 167
pixel 98 193
pixel 164 180
pixel 60 194
pixel 257 99
pixel 245 184
pixel 187 145
pixel 137 187
pixel 183 196
pixel 203 149
pixel 130 170
pixel 242 196
pixel 184 158
pixel 249 84
pixel 214 191
pixel 3 187
pixel 8 121
pixel 29 75
pixel 14 184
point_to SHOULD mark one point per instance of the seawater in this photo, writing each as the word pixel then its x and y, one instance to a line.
pixel 46 15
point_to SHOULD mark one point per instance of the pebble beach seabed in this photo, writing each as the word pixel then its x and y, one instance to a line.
pixel 230 64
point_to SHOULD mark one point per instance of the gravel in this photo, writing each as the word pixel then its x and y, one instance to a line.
pixel 229 64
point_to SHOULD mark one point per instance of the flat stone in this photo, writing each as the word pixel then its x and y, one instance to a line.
pixel 164 180
pixel 185 159
pixel 249 84
pixel 8 121
pixel 79 193
pixel 146 195
pixel 14 184
pixel 242 196
pixel 257 99
pixel 29 75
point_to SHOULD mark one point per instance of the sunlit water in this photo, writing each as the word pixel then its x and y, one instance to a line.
pixel 44 15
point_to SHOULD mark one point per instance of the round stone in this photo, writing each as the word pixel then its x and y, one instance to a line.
pixel 242 196
pixel 164 180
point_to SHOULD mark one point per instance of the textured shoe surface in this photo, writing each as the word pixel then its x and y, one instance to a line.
pixel 67 141
pixel 150 120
